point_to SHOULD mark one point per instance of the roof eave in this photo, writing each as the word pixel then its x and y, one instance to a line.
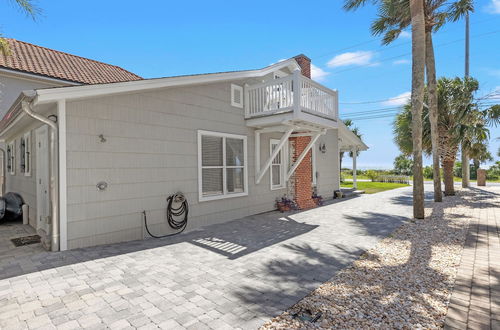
pixel 76 92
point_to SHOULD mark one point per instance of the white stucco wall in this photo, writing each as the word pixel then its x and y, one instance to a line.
pixel 151 152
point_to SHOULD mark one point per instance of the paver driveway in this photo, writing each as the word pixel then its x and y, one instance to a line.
pixel 233 275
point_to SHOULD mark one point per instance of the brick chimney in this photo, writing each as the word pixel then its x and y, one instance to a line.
pixel 305 65
pixel 302 177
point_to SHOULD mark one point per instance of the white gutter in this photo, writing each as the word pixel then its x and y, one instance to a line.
pixel 54 190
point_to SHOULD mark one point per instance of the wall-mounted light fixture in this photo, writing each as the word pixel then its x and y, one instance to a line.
pixel 322 147
pixel 101 186
pixel 102 138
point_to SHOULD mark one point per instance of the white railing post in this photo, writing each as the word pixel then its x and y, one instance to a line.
pixel 246 101
pixel 297 90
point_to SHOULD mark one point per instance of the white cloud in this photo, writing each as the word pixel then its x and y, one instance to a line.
pixel 398 100
pixel 405 35
pixel 317 73
pixel 403 61
pixel 360 58
pixel 494 7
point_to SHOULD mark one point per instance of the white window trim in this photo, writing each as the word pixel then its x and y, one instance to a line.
pixel 284 156
pixel 27 153
pixel 12 155
pixel 225 194
pixel 313 165
pixel 235 88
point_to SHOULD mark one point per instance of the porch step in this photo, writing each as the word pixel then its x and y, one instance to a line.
pixel 352 193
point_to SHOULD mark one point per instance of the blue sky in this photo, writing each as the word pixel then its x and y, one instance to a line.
pixel 165 38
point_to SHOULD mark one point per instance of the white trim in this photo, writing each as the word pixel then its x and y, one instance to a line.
pixel 37 77
pixel 63 210
pixel 302 155
pixel 12 157
pixel 224 167
pixel 313 165
pixel 41 223
pixel 27 153
pixel 283 140
pixel 74 92
pixel 234 89
pixel 283 155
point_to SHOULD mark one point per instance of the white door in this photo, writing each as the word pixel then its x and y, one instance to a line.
pixel 42 177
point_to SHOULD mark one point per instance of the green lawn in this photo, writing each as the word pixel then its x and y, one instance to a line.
pixel 374 187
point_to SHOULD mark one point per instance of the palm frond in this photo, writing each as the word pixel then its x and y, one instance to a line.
pixel 28 7
pixel 459 9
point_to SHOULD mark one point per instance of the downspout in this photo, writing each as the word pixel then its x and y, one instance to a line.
pixel 54 190
pixel 4 168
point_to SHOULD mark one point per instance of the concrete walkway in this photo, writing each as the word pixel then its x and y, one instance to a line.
pixel 475 302
pixel 233 275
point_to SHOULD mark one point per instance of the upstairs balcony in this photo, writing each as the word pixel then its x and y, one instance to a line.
pixel 293 99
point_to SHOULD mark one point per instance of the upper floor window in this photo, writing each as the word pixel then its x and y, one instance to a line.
pixel 222 165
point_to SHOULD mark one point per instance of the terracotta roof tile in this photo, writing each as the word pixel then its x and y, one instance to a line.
pixel 55 64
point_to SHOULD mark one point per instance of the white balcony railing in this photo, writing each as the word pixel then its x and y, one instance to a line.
pixel 280 95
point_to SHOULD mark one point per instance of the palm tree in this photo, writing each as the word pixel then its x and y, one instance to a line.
pixel 479 153
pixel 417 21
pixel 394 17
pixel 29 8
pixel 460 121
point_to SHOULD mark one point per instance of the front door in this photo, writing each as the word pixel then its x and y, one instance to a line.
pixel 42 178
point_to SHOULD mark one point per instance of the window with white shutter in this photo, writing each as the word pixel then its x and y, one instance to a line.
pixel 11 158
pixel 26 154
pixel 277 166
pixel 222 165
pixel 236 96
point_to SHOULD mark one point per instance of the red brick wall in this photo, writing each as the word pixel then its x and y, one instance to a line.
pixel 305 64
pixel 303 175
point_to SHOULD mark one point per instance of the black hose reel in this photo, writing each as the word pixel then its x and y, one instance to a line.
pixel 177 214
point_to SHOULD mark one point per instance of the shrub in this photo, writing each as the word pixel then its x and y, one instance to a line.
pixel 428 172
pixel 372 174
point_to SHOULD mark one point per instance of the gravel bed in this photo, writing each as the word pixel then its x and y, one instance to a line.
pixel 404 282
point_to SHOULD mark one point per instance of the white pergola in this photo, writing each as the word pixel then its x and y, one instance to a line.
pixel 349 142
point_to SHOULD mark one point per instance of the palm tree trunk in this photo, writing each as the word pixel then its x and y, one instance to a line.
pixel 417 97
pixel 430 64
pixel 448 165
pixel 465 168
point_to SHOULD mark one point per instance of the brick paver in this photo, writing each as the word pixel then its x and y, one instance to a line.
pixel 227 276
pixel 233 275
pixel 475 301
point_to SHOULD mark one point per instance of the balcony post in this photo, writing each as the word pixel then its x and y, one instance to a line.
pixel 297 91
pixel 246 101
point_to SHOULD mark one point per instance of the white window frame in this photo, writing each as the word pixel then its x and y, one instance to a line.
pixel 27 153
pixel 12 156
pixel 235 88
pixel 225 194
pixel 284 156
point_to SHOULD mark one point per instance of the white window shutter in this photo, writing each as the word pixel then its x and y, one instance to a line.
pixel 236 96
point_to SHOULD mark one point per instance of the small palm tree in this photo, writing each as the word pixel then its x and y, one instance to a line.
pixel 479 153
pixel 460 121
pixel 29 8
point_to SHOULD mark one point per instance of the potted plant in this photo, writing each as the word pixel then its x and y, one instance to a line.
pixel 285 204
pixel 317 199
